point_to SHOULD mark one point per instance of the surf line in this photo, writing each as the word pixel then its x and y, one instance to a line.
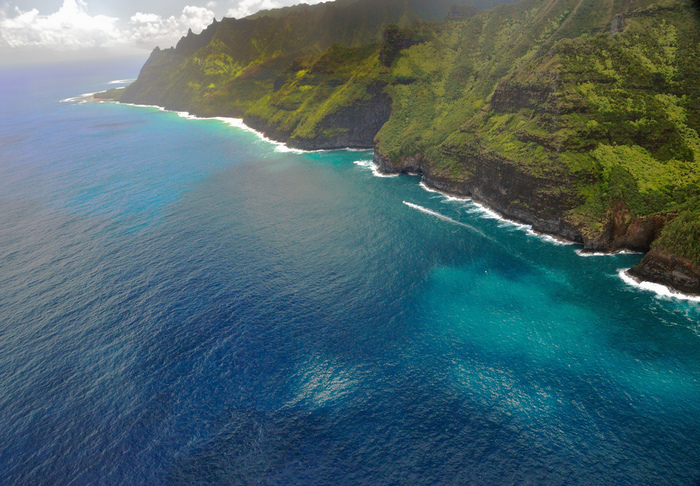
pixel 238 123
pixel 435 214
pixel 489 213
pixel 661 291
pixel 369 164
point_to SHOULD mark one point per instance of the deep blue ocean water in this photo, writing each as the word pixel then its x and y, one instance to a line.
pixel 182 302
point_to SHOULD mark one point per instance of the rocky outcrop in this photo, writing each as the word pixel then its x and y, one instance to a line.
pixel 670 270
pixel 624 231
pixel 540 96
pixel 192 42
pixel 617 25
pixel 395 41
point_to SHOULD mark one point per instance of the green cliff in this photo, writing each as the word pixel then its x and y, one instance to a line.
pixel 580 117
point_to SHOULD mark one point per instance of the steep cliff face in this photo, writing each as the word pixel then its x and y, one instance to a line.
pixel 350 127
pixel 625 231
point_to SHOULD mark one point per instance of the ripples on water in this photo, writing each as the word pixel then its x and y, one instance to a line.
pixel 182 303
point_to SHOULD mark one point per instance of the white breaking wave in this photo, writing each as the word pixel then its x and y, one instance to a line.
pixel 429 189
pixel 442 217
pixel 438 215
pixel 78 98
pixel 122 81
pixel 369 164
pixel 234 122
pixel 279 146
pixel 433 213
pixel 548 238
pixel 238 123
pixel 586 254
pixel 661 291
pixel 159 108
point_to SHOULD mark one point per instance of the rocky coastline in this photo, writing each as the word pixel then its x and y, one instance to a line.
pixel 497 186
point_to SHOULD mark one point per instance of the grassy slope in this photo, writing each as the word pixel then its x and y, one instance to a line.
pixel 318 86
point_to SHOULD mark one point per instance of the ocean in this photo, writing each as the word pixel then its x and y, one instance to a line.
pixel 185 302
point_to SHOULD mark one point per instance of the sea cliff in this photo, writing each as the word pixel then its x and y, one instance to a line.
pixel 578 117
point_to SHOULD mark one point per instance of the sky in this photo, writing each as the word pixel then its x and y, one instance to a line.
pixel 49 29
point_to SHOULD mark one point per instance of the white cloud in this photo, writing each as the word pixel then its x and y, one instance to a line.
pixel 244 8
pixel 248 7
pixel 196 18
pixel 151 28
pixel 72 27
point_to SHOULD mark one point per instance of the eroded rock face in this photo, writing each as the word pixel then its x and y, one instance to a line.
pixel 617 25
pixel 541 96
pixel 627 232
pixel 670 270
pixel 407 165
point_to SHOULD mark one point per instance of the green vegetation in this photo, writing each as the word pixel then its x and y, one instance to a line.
pixel 681 236
pixel 544 89
pixel 540 90
pixel 317 86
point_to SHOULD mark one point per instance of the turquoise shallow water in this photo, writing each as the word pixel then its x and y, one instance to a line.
pixel 182 302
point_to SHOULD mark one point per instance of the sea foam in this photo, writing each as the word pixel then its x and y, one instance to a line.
pixel 661 291
pixel 585 254
pixel 238 123
pixel 79 98
pixel 434 213
pixel 369 164
pixel 159 108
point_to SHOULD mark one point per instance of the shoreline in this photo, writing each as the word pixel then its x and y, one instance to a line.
pixel 239 123
pixel 661 291
pixel 493 214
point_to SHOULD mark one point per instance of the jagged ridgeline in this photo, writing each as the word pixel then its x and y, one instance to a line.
pixel 578 116
pixel 197 73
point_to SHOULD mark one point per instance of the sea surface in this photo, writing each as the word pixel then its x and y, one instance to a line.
pixel 184 302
